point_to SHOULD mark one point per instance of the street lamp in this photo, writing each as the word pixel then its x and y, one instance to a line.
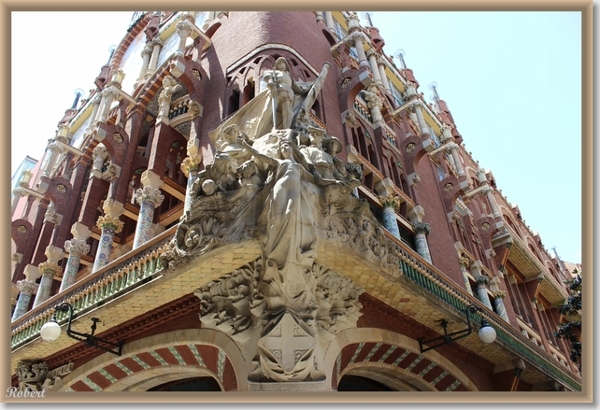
pixel 51 331
pixel 486 333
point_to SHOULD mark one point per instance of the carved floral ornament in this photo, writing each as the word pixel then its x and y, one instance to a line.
pixel 22 229
pixel 109 222
pixel 50 268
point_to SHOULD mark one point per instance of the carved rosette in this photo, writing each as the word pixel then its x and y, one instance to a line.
pixel 109 222
pixel 421 227
pixel 190 164
pixel 50 269
pixel 77 247
pixel 149 194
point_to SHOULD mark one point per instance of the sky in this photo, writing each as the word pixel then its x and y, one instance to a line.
pixel 512 81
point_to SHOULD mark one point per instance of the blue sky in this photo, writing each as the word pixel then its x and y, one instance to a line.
pixel 511 80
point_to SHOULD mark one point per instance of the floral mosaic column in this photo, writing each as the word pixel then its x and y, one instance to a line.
pixel 49 271
pixel 75 248
pixel 189 166
pixel 109 225
pixel 149 198
pixel 390 204
pixel 499 304
pixel 482 295
pixel 422 229
pixel 27 288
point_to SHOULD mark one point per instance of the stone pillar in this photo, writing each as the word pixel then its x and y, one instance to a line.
pixel 488 193
pixel 54 148
pixel 360 50
pixel 329 21
pixel 189 166
pixel 156 44
pixel 184 30
pixel 381 64
pixel 421 229
pixel 27 289
pixel 456 157
pixel 109 224
pixel 76 247
pixel 149 197
pixel 374 68
pixel 390 204
pixel 421 120
pixel 464 266
pixel 108 96
pixel 17 195
pixel 99 155
pixel 374 103
pixel 146 53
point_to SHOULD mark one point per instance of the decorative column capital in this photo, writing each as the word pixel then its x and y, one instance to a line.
pixel 50 269
pixel 157 42
pixel 149 194
pixel 19 192
pixel 110 92
pixel 184 28
pixel 483 279
pixel 100 152
pixel 190 164
pixel 111 222
pixel 421 227
pixel 500 294
pixel 147 50
pixel 27 286
pixel 464 261
pixel 77 247
pixel 390 201
pixel 55 147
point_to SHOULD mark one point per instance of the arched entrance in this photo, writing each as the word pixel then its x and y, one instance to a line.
pixel 189 384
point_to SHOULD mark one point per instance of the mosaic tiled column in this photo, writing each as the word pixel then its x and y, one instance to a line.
pixel 109 225
pixel 189 166
pixel 27 288
pixel 422 229
pixel 76 248
pixel 464 265
pixel 481 291
pixel 390 204
pixel 149 197
pixel 49 271
pixel 499 304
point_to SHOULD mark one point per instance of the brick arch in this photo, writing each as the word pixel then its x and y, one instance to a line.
pixel 396 357
pixel 157 359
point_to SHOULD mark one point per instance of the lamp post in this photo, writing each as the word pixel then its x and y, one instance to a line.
pixel 51 331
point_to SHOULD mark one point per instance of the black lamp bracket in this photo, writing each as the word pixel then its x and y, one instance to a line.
pixel 448 338
pixel 89 338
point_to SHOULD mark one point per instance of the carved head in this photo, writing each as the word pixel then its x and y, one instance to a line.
pixel 282 64
pixel 332 145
